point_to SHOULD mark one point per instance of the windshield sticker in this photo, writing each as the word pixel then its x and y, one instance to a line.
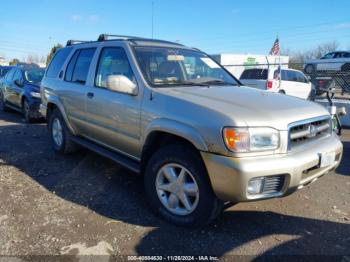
pixel 210 62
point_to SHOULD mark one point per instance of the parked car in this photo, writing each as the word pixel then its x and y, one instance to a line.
pixel 20 90
pixel 286 81
pixel 335 61
pixel 173 114
pixel 4 70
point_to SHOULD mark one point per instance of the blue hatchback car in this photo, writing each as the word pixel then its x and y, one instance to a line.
pixel 20 90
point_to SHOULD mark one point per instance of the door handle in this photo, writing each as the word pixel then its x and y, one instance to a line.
pixel 90 95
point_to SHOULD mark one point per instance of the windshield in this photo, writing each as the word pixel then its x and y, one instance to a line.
pixel 167 67
pixel 34 75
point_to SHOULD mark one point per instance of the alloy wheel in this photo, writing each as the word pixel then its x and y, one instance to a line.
pixel 57 133
pixel 177 189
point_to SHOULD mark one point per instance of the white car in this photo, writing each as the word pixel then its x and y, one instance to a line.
pixel 334 61
pixel 286 81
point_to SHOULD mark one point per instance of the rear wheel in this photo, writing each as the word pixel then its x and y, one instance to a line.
pixel 178 188
pixel 3 106
pixel 27 112
pixel 60 134
pixel 282 92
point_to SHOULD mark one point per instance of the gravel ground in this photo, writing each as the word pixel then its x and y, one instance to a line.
pixel 84 204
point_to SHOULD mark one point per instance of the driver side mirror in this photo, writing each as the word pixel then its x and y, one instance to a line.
pixel 121 84
pixel 19 82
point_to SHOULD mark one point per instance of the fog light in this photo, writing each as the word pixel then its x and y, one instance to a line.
pixel 256 185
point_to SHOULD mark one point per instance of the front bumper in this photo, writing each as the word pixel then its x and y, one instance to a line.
pixel 229 176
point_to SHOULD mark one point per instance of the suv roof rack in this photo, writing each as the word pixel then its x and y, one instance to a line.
pixel 73 42
pixel 107 37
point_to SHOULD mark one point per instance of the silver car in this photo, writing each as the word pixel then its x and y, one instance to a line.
pixel 170 112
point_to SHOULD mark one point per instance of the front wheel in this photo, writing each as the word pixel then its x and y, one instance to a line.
pixel 178 188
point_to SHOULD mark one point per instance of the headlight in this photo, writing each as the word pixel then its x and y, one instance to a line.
pixel 251 139
pixel 35 94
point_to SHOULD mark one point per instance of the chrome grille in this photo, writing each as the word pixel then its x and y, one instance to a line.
pixel 312 129
pixel 273 184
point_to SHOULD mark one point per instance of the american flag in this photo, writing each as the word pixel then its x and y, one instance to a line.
pixel 275 48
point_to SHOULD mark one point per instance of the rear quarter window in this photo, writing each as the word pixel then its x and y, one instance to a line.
pixel 254 74
pixel 57 62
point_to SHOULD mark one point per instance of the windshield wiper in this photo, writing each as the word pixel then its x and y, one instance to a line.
pixel 207 82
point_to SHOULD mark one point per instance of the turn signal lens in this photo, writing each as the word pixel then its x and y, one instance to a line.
pixel 236 139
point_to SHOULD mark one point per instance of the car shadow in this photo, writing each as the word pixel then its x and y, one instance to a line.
pixel 344 167
pixel 92 181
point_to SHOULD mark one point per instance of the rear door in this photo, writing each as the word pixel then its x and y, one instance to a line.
pixel 6 85
pixel 74 94
pixel 326 62
pixel 295 83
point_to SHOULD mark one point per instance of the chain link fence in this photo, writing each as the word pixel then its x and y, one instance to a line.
pixel 325 75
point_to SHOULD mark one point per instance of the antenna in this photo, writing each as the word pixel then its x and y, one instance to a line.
pixel 152 16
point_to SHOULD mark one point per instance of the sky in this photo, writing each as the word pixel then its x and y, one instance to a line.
pixel 32 27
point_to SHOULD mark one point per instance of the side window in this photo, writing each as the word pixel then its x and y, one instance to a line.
pixel 9 75
pixel 113 61
pixel 292 76
pixel 82 65
pixel 301 78
pixel 284 75
pixel 57 62
pixel 328 56
pixel 17 75
pixel 70 67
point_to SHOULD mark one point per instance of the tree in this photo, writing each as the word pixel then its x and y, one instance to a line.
pixel 14 61
pixel 54 49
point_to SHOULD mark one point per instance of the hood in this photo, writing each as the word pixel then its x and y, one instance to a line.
pixel 247 106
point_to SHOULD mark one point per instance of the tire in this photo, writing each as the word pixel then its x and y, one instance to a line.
pixel 26 111
pixel 3 106
pixel 282 92
pixel 205 206
pixel 309 69
pixel 60 134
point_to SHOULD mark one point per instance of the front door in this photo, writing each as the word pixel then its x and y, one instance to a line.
pixel 114 117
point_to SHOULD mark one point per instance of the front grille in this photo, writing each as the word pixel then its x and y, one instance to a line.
pixel 273 184
pixel 305 131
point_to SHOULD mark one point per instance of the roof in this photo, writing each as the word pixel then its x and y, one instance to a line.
pixel 135 40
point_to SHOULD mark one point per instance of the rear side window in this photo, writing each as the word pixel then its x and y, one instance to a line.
pixel 254 74
pixel 78 67
pixel 291 76
pixel 57 62
pixel 70 67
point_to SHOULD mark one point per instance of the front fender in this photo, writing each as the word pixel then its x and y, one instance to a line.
pixel 175 128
